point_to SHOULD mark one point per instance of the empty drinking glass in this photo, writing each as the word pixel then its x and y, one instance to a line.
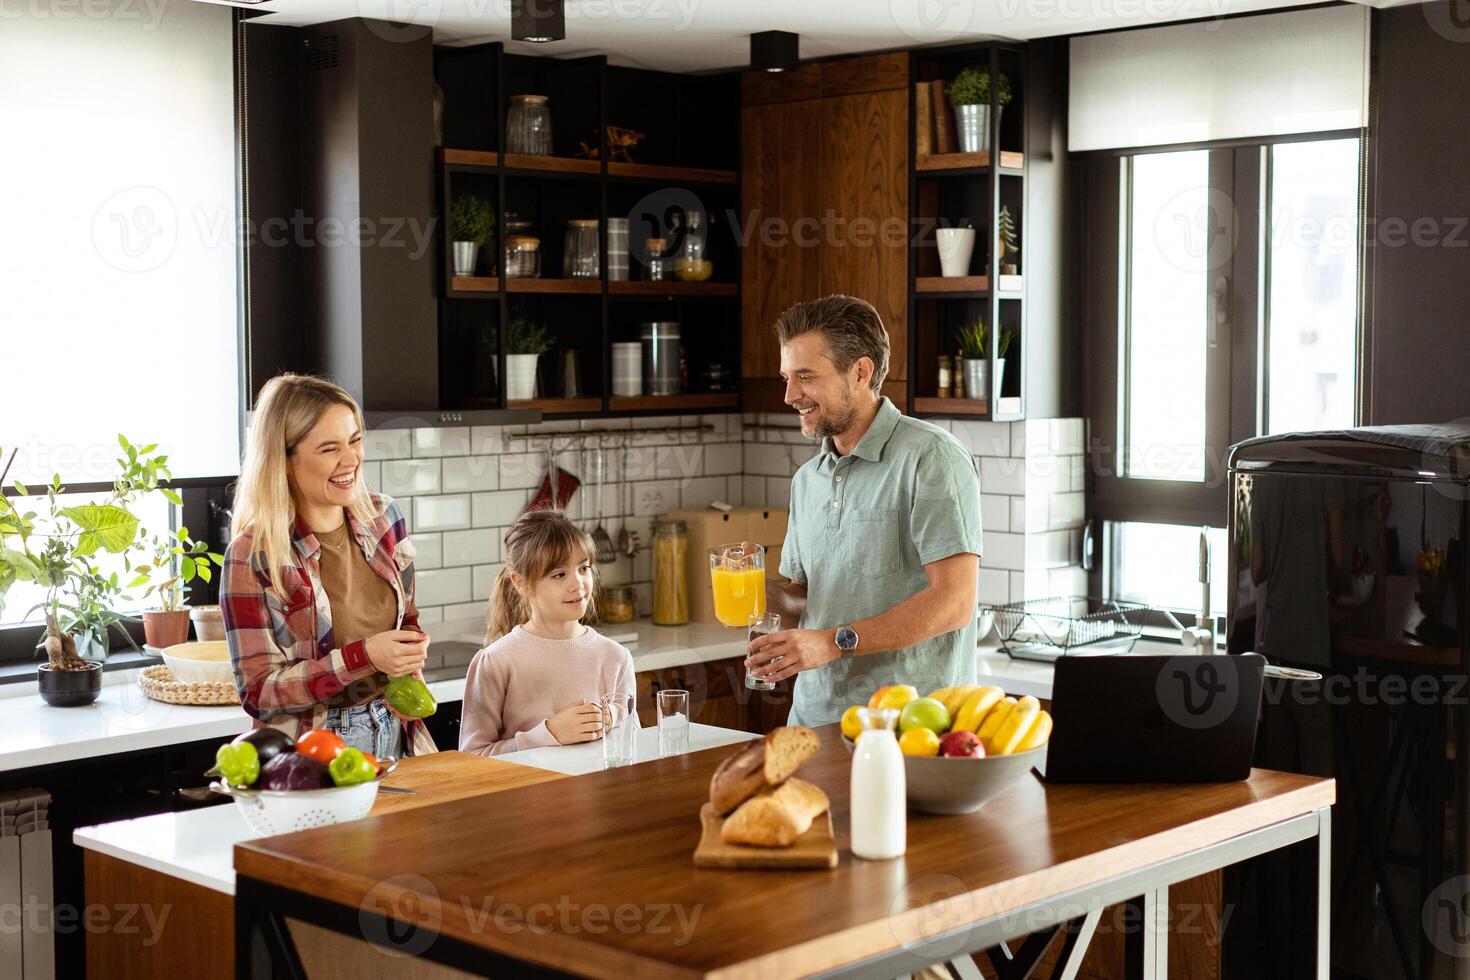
pixel 620 727
pixel 760 625
pixel 673 722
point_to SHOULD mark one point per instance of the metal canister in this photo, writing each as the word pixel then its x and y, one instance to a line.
pixel 660 357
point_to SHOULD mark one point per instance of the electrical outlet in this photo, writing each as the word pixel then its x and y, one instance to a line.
pixel 653 501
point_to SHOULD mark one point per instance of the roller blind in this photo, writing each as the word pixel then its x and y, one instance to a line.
pixel 1276 74
pixel 117 238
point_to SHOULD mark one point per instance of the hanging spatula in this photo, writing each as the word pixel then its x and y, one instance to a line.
pixel 600 538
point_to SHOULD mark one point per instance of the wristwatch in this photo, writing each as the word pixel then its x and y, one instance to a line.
pixel 847 641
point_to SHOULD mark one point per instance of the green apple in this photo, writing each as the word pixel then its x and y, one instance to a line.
pixel 927 713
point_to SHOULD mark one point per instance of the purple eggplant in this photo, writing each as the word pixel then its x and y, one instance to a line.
pixel 268 742
pixel 294 771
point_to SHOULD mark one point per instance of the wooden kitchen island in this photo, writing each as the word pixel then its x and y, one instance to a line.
pixel 593 876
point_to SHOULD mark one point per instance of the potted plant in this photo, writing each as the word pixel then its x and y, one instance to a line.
pixel 525 342
pixel 471 225
pixel 181 560
pixel 969 93
pixel 971 338
pixel 56 551
pixel 1002 344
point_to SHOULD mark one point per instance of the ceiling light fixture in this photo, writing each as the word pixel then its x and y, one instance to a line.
pixel 773 50
pixel 538 20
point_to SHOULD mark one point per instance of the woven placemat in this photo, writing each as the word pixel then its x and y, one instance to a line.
pixel 159 684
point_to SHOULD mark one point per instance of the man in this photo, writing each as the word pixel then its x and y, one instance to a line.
pixel 883 544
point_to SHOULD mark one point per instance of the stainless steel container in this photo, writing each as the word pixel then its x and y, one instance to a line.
pixel 660 357
pixel 465 256
pixel 973 123
pixel 977 377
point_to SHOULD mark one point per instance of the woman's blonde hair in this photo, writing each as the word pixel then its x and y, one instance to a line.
pixel 539 541
pixel 285 411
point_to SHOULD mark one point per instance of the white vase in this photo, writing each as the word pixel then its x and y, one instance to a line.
pixel 956 245
pixel 520 376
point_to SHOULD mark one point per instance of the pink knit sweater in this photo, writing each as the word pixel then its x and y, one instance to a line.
pixel 519 681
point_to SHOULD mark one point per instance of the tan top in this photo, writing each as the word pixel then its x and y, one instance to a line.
pixel 363 604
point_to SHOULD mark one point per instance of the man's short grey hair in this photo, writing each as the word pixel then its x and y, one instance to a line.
pixel 850 327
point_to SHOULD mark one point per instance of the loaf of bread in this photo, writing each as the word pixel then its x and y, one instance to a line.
pixel 776 816
pixel 759 765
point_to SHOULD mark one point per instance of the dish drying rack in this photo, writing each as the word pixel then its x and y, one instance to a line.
pixel 1055 627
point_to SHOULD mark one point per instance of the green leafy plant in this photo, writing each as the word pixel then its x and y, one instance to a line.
pixel 972 87
pixel 181 560
pixel 526 336
pixel 1003 341
pixel 471 219
pixel 56 550
pixel 971 338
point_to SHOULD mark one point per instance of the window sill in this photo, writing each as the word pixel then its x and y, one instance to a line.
pixel 21 671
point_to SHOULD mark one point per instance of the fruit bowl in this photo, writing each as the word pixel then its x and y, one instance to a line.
pixel 961 784
pixel 269 812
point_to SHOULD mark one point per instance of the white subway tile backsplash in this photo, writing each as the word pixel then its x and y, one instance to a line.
pixel 1067 581
pixel 735 490
pixel 994 512
pixel 1018 514
pixel 1005 550
pixel 471 473
pixel 433 614
pixel 449 512
pixel 372 475
pixel 767 460
pixel 984 438
pixel 1002 475
pixel 409 477
pixel 679 462
pixel 1037 509
pixel 1018 439
pixel 429 549
pixel 442 442
pixel 441 586
pixel 1066 436
pixel 699 491
pixel 465 610
pixel 1038 436
pixel 523 470
pixel 1067 510
pixel 754 490
pixel 994 586
pixel 778 491
pixel 499 508
pixel 489 439
pixel 653 497
pixel 640 463
pixel 484 580
pixel 474 547
pixel 388 443
pixel 722 459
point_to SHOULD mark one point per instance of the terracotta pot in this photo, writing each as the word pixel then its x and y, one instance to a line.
pixel 208 623
pixel 69 688
pixel 165 628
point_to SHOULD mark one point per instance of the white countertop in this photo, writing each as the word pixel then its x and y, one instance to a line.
pixel 198 845
pixel 653 647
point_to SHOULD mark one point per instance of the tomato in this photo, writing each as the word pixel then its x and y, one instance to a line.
pixel 320 744
pixel 374 760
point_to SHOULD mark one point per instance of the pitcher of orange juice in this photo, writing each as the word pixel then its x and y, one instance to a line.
pixel 737 574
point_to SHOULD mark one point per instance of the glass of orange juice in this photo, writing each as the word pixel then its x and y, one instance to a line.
pixel 737 574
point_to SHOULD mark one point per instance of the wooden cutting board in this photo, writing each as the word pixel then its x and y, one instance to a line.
pixel 452 775
pixel 813 849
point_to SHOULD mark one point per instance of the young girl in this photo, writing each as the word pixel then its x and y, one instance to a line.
pixel 538 683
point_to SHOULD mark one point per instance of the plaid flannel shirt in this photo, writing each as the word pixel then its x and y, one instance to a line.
pixel 288 671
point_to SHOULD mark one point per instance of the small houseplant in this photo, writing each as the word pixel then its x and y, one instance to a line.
pixel 471 225
pixel 969 93
pixel 180 560
pixel 57 551
pixel 525 342
pixel 971 339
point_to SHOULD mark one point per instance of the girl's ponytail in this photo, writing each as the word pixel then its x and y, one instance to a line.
pixel 507 607
pixel 537 542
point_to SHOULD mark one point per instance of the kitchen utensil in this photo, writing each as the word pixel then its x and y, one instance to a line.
pixel 600 536
pixel 958 784
pixel 737 574
pixel 271 812
pixel 398 790
pixel 628 540
pixel 813 849
pixel 673 722
pixel 620 730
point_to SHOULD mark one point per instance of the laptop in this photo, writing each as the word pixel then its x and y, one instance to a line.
pixel 1154 719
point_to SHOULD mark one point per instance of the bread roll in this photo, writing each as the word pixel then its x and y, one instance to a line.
pixel 768 762
pixel 776 817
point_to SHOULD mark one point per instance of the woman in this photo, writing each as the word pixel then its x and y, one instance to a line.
pixel 317 595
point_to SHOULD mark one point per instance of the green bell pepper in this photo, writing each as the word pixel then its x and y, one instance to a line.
pixel 410 696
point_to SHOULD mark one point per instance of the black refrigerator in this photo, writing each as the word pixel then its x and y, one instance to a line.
pixel 1348 558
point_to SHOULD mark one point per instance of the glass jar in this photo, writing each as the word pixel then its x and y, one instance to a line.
pixel 522 257
pixel 670 581
pixel 528 125
pixel 617 604
pixel 657 266
pixel 579 250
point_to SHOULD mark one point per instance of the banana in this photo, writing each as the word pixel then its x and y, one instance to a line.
pixel 1017 725
pixel 942 695
pixel 958 696
pixel 994 720
pixel 1040 732
pixel 976 706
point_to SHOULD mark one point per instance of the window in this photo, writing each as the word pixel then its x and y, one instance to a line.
pixel 1236 287
pixel 118 266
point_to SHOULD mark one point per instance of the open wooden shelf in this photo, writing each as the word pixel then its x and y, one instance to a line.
pixel 690 175
pixel 470 158
pixel 565 405
pixel 632 288
pixel 1009 160
pixel 941 285
pixel 948 406
pixel 562 165
pixel 673 403
pixel 521 284
pixel 475 284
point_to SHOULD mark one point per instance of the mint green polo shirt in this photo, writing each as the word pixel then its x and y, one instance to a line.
pixel 862 528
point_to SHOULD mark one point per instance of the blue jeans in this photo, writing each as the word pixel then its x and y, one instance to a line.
pixel 369 727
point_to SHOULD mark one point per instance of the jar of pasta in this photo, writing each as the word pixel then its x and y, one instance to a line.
pixel 670 585
pixel 617 604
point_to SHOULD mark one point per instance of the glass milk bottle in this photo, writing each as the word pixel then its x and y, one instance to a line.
pixel 879 798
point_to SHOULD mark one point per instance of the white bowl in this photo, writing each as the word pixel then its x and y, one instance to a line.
pixel 269 812
pixel 200 663
pixel 962 784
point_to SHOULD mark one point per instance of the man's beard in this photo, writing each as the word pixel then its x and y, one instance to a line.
pixel 836 422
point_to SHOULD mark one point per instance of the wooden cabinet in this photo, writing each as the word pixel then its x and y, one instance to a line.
pixel 717 696
pixel 824 195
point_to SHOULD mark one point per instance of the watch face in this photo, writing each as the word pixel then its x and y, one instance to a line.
pixel 847 638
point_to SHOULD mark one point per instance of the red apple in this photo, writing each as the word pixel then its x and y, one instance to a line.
pixel 961 743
